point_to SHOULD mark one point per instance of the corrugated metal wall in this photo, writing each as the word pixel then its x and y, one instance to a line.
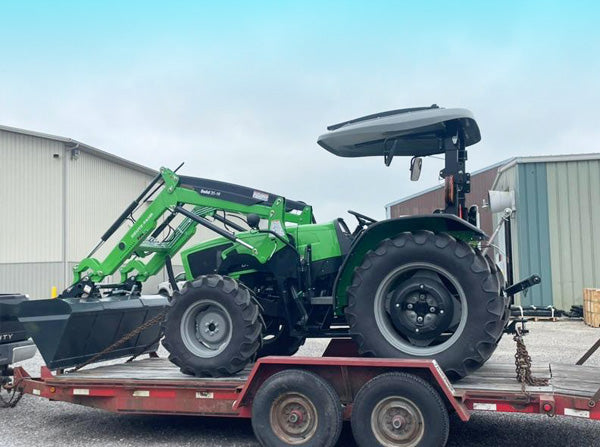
pixel 98 191
pixel 558 209
pixel 533 232
pixel 574 218
pixel 428 202
pixel 32 278
pixel 42 237
pixel 30 199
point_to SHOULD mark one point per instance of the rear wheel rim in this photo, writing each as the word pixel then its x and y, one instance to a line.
pixel 294 418
pixel 383 319
pixel 206 328
pixel 397 422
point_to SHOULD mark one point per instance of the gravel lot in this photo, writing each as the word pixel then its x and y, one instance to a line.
pixel 43 423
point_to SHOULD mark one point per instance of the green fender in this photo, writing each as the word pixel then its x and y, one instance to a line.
pixel 375 233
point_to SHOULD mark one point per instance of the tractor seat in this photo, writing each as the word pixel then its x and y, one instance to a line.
pixel 345 238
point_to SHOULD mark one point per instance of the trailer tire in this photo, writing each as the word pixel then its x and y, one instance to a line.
pixel 383 324
pixel 304 396
pixel 399 409
pixel 213 328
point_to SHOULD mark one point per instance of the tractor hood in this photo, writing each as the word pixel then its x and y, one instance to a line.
pixel 406 132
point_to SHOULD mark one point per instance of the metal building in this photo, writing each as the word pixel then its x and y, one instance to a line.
pixel 554 227
pixel 57 197
pixel 428 201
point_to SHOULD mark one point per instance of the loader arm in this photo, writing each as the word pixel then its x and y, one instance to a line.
pixel 205 198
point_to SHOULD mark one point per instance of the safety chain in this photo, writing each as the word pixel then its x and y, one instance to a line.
pixel 15 394
pixel 523 364
pixel 157 319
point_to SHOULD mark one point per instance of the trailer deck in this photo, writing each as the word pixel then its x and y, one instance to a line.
pixel 156 386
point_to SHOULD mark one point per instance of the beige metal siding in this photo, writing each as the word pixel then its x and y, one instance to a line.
pixel 32 278
pixel 574 215
pixel 97 193
pixel 30 199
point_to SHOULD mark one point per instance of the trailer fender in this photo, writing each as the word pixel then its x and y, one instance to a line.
pixel 347 375
pixel 370 238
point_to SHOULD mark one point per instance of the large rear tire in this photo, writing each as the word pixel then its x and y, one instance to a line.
pixel 427 295
pixel 213 327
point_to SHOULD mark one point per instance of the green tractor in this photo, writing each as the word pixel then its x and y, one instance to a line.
pixel 415 286
pixel 410 287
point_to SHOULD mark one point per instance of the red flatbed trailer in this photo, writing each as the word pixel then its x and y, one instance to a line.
pixel 155 386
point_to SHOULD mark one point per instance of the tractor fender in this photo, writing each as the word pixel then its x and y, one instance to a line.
pixel 371 237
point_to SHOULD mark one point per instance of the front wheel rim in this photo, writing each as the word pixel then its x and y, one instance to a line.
pixel 206 328
pixel 397 422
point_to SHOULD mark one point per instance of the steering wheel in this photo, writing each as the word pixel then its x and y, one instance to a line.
pixel 363 221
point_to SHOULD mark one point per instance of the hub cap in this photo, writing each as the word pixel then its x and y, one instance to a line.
pixel 206 328
pixel 420 309
pixel 396 422
pixel 293 418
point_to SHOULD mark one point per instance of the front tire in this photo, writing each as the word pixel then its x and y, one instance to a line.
pixel 213 327
pixel 426 295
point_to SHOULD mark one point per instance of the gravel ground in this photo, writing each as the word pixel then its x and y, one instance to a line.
pixel 39 422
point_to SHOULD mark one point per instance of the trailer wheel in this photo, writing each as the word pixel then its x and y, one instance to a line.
pixel 297 408
pixel 399 410
pixel 426 295
pixel 213 327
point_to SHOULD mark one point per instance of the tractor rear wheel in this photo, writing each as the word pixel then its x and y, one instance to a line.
pixel 213 328
pixel 427 295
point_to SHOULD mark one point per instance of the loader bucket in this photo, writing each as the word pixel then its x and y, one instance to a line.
pixel 70 331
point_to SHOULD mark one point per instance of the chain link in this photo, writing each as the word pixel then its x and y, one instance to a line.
pixel 15 394
pixel 157 319
pixel 523 365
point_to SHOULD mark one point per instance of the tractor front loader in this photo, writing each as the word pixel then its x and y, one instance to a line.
pixel 414 286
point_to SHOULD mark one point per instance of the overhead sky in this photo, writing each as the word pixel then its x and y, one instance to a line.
pixel 240 91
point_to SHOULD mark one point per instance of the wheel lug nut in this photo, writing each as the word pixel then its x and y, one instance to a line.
pixel 432 309
pixel 422 296
pixel 420 319
pixel 408 306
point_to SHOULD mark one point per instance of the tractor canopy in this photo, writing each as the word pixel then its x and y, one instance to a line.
pixel 414 132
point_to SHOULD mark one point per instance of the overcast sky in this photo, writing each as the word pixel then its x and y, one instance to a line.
pixel 240 91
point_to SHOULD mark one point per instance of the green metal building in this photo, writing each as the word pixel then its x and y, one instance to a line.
pixel 556 227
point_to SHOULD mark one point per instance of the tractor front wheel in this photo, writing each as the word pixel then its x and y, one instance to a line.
pixel 213 328
pixel 427 295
